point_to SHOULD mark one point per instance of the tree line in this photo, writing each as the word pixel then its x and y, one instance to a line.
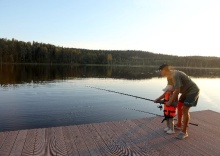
pixel 14 51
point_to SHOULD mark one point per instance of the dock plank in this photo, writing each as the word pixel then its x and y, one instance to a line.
pixel 113 146
pixel 50 143
pixel 89 140
pixel 211 133
pixel 70 141
pixel 190 143
pixel 45 142
pixel 100 142
pixel 115 143
pixel 60 142
pixel 80 144
pixel 39 144
pixel 140 137
pixel 8 143
pixel 128 148
pixel 208 134
pixel 184 144
pixel 19 143
pixel 137 135
pixel 29 143
pixel 210 117
pixel 156 138
pixel 121 131
pixel 3 136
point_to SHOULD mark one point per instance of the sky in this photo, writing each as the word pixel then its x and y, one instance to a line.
pixel 176 27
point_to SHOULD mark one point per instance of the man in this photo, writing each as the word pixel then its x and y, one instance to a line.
pixel 189 90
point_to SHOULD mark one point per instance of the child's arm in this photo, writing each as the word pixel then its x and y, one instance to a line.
pixel 159 98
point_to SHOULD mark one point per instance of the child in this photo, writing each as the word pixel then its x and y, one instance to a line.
pixel 169 111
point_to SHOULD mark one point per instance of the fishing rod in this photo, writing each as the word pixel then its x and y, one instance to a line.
pixel 160 102
pixel 137 97
pixel 155 114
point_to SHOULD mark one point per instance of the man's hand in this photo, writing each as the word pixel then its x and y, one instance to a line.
pixel 174 97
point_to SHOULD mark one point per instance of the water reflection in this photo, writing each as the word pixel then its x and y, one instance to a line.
pixel 18 74
pixel 47 96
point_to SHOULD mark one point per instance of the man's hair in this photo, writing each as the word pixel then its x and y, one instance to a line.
pixel 167 68
pixel 164 66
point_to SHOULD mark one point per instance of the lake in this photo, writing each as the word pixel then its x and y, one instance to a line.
pixel 40 96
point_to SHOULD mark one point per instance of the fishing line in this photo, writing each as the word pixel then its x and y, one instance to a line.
pixel 155 114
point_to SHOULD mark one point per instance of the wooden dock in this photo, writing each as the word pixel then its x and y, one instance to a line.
pixel 129 137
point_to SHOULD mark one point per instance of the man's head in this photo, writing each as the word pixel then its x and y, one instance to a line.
pixel 164 70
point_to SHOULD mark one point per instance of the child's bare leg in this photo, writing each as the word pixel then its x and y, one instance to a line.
pixel 171 124
pixel 186 118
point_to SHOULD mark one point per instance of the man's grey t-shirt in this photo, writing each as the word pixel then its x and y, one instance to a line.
pixel 182 81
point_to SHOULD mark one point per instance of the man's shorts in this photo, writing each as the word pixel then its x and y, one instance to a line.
pixel 190 100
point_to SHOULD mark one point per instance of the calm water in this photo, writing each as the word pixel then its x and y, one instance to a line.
pixel 45 96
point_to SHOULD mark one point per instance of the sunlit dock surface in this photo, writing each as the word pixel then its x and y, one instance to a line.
pixel 128 137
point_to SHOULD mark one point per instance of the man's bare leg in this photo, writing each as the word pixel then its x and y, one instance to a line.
pixel 186 118
pixel 179 114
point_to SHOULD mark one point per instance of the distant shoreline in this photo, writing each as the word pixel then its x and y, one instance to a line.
pixel 19 52
pixel 105 65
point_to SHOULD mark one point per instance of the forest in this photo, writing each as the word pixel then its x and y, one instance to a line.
pixel 14 51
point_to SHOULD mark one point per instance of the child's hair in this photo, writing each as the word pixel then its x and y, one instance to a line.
pixel 168 88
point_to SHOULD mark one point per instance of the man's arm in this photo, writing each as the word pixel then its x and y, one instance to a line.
pixel 174 97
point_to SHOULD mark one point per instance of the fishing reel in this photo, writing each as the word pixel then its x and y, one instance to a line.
pixel 160 104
